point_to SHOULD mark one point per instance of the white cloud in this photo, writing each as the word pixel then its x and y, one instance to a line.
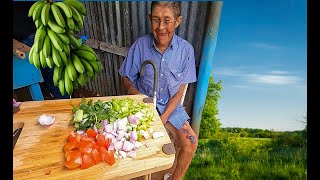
pixel 263 45
pixel 272 77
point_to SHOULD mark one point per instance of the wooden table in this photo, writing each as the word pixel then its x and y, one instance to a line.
pixel 39 148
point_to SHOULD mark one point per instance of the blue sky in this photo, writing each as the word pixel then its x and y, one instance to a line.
pixel 261 59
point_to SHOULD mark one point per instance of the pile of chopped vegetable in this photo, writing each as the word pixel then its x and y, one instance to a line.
pixel 120 123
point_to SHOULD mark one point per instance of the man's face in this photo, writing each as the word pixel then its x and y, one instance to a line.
pixel 163 25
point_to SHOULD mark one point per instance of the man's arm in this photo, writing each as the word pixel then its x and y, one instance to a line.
pixel 172 104
pixel 131 90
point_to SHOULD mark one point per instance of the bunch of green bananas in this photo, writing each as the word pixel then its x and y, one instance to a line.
pixel 56 47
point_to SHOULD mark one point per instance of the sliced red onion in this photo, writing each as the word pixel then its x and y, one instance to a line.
pixel 120 134
pixel 132 154
pixel 105 122
pixel 17 104
pixel 109 136
pixel 46 120
pixel 127 146
pixel 14 101
pixel 133 119
pixel 108 128
pixel 133 136
pixel 123 154
pixel 122 124
pixel 118 145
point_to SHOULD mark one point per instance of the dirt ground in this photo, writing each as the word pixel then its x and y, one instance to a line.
pixel 23 94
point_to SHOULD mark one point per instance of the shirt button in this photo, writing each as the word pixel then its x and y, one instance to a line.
pixel 162 59
pixel 161 89
pixel 179 75
pixel 161 74
pixel 160 99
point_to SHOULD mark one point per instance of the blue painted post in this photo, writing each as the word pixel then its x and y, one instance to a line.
pixel 208 50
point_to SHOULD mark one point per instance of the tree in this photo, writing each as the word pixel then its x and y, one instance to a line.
pixel 210 124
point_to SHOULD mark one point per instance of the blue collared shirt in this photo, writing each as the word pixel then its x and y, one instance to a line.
pixel 176 66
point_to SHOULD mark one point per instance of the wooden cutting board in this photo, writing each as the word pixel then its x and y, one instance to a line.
pixel 38 152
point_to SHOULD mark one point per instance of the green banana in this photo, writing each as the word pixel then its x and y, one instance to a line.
pixel 68 85
pixel 30 54
pixel 70 23
pixel 32 8
pixel 71 70
pixel 63 56
pixel 61 87
pixel 77 63
pixel 86 55
pixel 56 57
pixel 50 62
pixel 36 59
pixel 96 65
pixel 37 11
pixel 56 41
pixel 82 79
pixel 87 48
pixel 73 41
pixel 64 38
pixel 55 27
pixel 75 14
pixel 42 59
pixel 66 49
pixel 65 8
pixel 45 14
pixel 41 34
pixel 57 71
pixel 88 67
pixel 38 23
pixel 57 15
pixel 46 47
pixel 77 5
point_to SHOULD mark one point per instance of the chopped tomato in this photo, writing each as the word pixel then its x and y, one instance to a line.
pixel 74 160
pixel 103 152
pixel 91 133
pixel 100 140
pixel 86 147
pixel 73 137
pixel 86 138
pixel 97 147
pixel 69 146
pixel 87 162
pixel 96 156
pixel 109 158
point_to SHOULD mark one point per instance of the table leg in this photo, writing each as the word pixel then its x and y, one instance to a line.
pixel 147 177
pixel 35 92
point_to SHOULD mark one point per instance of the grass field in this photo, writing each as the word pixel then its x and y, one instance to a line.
pixel 246 158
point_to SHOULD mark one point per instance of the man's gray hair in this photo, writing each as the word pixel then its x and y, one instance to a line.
pixel 174 5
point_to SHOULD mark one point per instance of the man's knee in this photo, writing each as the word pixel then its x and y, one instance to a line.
pixel 190 144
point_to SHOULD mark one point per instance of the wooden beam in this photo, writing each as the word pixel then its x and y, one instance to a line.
pixel 107 47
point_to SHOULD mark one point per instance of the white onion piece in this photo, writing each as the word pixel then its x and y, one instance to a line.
pixel 80 132
pixel 132 154
pixel 45 120
pixel 157 134
pixel 17 104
